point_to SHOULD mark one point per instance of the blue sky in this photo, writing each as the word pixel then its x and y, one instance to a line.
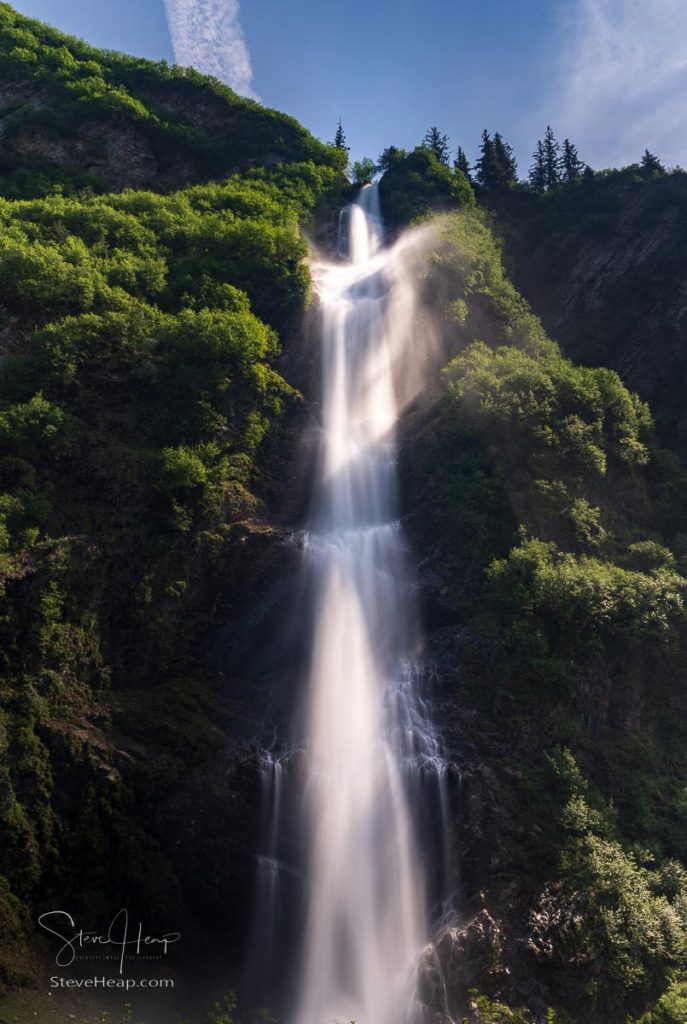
pixel 610 74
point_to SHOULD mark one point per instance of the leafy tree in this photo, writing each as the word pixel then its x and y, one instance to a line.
pixel 418 183
pixel 438 143
pixel 571 165
pixel 462 164
pixel 390 156
pixel 364 171
pixel 651 165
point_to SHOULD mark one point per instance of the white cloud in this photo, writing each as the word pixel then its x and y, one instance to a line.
pixel 207 35
pixel 623 83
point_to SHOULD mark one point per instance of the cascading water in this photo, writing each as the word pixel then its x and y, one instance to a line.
pixel 345 891
pixel 369 739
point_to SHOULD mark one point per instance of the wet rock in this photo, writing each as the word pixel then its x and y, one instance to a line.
pixel 470 956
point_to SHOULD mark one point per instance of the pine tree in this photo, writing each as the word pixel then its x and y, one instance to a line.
pixel 537 175
pixel 340 139
pixel 438 143
pixel 485 165
pixel 651 164
pixel 552 159
pixel 505 166
pixel 461 163
pixel 571 166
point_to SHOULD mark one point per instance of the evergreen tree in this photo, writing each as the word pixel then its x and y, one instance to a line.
pixel 438 143
pixel 504 160
pixel 340 139
pixel 461 163
pixel 496 166
pixel 485 166
pixel 651 165
pixel 537 175
pixel 552 159
pixel 571 165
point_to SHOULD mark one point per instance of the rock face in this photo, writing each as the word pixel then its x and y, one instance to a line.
pixel 605 271
pixel 470 957
pixel 119 156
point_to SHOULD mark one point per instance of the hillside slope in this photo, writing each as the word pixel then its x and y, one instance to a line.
pixel 75 116
pixel 548 525
pixel 146 477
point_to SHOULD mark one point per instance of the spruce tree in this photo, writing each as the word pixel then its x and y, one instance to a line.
pixel 461 163
pixel 651 165
pixel 340 139
pixel 537 175
pixel 505 167
pixel 552 158
pixel 485 166
pixel 438 143
pixel 571 165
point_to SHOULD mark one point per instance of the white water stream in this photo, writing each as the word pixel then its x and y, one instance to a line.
pixel 355 844
pixel 368 735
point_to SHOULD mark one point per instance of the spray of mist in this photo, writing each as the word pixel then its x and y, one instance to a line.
pixel 207 35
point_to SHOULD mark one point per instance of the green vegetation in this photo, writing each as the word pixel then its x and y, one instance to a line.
pixel 543 489
pixel 138 387
pixel 145 423
pixel 418 183
pixel 74 117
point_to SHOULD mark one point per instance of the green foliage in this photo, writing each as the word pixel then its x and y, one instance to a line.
pixel 135 401
pixel 466 266
pixel 418 183
pixel 542 489
pixel 635 915
pixel 363 171
pixel 671 1007
pixel 496 167
pixel 563 412
pixel 77 90
pixel 223 1010
pixel 581 596
pixel 487 1011
pixel 437 142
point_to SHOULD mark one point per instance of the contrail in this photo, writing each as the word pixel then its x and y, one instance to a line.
pixel 622 84
pixel 207 35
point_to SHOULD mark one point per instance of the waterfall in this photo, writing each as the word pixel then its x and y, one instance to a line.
pixel 369 738
pixel 354 865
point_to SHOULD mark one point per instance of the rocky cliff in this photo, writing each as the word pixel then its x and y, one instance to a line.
pixel 603 264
